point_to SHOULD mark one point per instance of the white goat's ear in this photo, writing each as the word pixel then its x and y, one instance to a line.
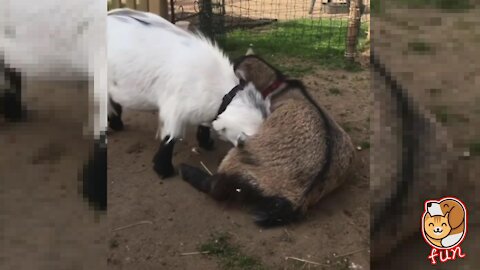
pixel 241 139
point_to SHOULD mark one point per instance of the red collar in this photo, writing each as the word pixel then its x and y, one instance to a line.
pixel 274 86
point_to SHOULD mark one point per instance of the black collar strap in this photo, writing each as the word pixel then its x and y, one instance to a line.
pixel 227 99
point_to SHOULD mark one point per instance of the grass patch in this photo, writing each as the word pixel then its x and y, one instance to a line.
pixel 444 116
pixel 444 5
pixel 297 70
pixel 230 256
pixel 441 113
pixel 434 91
pixel 474 148
pixel 420 47
pixel 321 42
pixel 334 91
pixel 365 145
pixel 377 7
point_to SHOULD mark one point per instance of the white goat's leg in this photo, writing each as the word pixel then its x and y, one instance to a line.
pixel 11 98
pixel 171 131
pixel 114 115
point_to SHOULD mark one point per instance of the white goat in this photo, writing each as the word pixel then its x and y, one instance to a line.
pixel 59 40
pixel 155 65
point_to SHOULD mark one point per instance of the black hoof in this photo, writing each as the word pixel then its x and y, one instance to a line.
pixel 209 145
pixel 12 109
pixel 115 123
pixel 164 171
pixel 16 115
pixel 163 167
pixel 203 138
pixel 162 162
pixel 95 177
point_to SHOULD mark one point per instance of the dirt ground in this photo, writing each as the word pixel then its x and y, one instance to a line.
pixel 169 217
pixel 44 224
pixel 432 55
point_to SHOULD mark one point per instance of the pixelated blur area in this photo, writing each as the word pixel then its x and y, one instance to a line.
pixel 426 135
pixel 51 69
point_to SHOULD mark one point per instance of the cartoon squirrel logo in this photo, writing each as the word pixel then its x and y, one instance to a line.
pixel 444 223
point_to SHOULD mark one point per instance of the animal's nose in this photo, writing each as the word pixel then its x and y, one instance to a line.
pixel 429 204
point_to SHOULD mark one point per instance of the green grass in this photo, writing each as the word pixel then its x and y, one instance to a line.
pixel 316 42
pixel 230 256
pixel 378 7
pixel 441 113
pixel 334 91
pixel 444 5
pixel 444 116
pixel 434 91
pixel 420 47
pixel 474 148
pixel 365 145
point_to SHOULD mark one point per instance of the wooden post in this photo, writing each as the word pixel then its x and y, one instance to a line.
pixel 353 29
pixel 115 4
pixel 143 5
pixel 131 4
pixel 164 9
pixel 154 6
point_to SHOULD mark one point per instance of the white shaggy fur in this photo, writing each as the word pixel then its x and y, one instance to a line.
pixel 252 109
pixel 155 65
pixel 58 40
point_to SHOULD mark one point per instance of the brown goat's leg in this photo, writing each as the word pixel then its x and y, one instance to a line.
pixel 199 179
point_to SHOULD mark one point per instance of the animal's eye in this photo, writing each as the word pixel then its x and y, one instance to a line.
pixel 223 129
pixel 444 224
pixel 446 205
pixel 431 224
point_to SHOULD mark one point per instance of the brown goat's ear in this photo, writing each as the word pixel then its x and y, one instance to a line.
pixel 455 216
pixel 254 69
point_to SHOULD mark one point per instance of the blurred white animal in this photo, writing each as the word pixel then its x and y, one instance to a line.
pixel 56 41
pixel 155 65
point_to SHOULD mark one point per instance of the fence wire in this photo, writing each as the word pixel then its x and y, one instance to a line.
pixel 306 27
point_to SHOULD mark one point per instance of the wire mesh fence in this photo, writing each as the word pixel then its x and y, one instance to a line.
pixel 305 28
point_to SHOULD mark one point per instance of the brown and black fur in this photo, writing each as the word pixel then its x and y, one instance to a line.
pixel 298 156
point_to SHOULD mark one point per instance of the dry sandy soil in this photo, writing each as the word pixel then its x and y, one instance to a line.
pixel 434 56
pixel 178 219
pixel 44 224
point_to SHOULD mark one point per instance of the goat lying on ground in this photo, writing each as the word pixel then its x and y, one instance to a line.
pixel 155 65
pixel 298 155
pixel 40 41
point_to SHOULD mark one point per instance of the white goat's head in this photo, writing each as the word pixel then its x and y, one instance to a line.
pixel 243 116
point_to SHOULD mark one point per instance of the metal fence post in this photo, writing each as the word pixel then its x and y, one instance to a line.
pixel 206 14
